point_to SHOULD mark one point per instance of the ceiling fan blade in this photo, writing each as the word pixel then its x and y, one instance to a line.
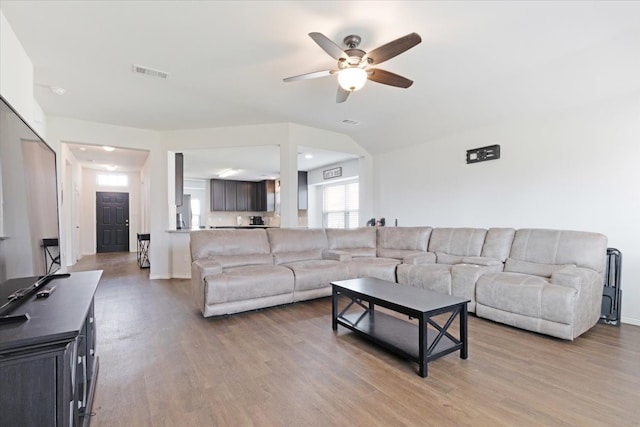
pixel 388 78
pixel 308 76
pixel 342 95
pixel 391 49
pixel 328 46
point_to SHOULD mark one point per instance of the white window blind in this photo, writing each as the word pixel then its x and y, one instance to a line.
pixel 341 206
pixel 195 212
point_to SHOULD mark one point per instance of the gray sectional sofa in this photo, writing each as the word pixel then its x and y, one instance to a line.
pixel 546 281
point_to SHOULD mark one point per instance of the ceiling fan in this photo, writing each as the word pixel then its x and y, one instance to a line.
pixel 353 63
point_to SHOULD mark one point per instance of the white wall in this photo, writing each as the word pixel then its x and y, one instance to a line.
pixel 576 170
pixel 316 183
pixel 16 72
pixel 70 130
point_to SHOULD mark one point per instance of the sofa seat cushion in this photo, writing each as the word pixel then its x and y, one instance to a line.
pixel 381 268
pixel 526 295
pixel 248 282
pixel 464 277
pixel 434 277
pixel 319 273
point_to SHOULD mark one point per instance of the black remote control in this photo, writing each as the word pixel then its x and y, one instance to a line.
pixel 45 292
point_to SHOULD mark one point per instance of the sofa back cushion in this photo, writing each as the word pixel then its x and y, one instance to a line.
pixel 560 247
pixel 457 241
pixel 231 247
pixel 359 242
pixel 497 243
pixel 296 244
pixel 398 242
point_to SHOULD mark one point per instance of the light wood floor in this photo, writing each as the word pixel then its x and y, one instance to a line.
pixel 163 364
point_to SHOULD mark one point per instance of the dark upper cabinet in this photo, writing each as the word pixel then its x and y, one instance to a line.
pixel 217 201
pixel 179 178
pixel 303 194
pixel 230 195
pixel 244 195
pixel 259 196
pixel 265 193
pixel 270 195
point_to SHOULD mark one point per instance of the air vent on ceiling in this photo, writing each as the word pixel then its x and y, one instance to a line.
pixel 150 71
pixel 350 122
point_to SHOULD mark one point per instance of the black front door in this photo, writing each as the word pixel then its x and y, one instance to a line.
pixel 112 217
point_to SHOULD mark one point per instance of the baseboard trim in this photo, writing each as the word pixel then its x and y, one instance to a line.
pixel 630 321
pixel 181 276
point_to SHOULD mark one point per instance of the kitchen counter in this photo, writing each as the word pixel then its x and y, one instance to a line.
pixel 246 226
pixel 189 230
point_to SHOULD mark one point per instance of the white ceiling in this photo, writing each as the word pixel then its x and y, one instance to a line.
pixel 119 160
pixel 479 62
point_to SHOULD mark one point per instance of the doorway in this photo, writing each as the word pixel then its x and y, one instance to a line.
pixel 112 222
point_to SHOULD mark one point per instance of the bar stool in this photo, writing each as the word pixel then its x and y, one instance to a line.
pixel 143 250
pixel 51 256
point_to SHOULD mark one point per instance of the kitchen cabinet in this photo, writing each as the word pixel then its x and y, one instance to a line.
pixel 265 195
pixel 217 199
pixel 230 195
pixel 241 196
pixel 303 194
pixel 179 178
pixel 245 195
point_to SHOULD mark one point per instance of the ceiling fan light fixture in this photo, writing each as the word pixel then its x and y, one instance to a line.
pixel 352 78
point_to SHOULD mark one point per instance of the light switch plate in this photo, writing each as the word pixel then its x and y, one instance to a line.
pixel 491 152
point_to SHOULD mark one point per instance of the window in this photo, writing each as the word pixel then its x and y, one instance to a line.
pixel 195 212
pixel 341 206
pixel 112 180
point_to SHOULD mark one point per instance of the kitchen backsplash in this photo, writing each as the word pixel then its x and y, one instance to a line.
pixel 226 219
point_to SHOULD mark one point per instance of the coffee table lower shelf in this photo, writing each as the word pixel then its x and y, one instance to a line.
pixel 396 335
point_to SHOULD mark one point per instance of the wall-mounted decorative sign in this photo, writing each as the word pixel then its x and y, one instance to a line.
pixel 332 173
pixel 491 152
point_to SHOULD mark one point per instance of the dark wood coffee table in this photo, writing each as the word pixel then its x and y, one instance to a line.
pixel 419 343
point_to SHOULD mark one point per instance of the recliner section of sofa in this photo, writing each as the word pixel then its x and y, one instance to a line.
pixel 552 283
pixel 547 281
pixel 306 253
pixel 233 271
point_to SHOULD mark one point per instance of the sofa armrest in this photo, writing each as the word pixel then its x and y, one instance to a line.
pixel 199 270
pixel 207 267
pixel 336 255
pixel 575 277
pixel 421 258
pixel 481 260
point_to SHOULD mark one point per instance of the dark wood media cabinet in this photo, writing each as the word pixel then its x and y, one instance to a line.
pixel 48 364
